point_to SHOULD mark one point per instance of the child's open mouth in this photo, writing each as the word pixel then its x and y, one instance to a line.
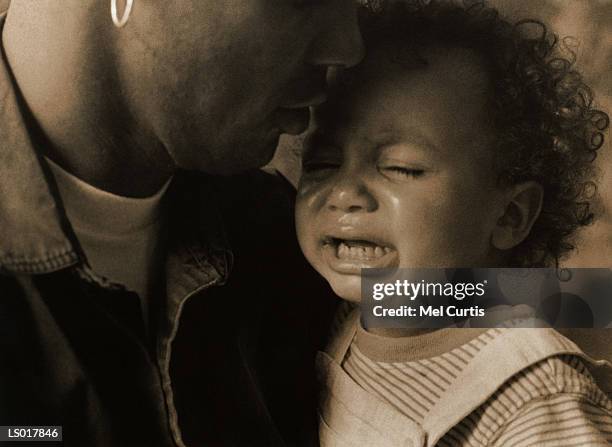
pixel 349 256
pixel 360 250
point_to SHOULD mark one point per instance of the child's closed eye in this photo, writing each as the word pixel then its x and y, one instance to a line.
pixel 403 161
pixel 398 172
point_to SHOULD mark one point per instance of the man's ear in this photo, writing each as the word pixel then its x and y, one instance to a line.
pixel 523 206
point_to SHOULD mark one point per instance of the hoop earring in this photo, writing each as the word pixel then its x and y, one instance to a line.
pixel 120 22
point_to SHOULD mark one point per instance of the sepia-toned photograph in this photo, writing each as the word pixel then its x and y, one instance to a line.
pixel 334 223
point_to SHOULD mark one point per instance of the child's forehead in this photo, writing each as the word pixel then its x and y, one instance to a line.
pixel 398 61
pixel 454 83
pixel 387 133
pixel 439 108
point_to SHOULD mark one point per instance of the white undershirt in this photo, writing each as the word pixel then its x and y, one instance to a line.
pixel 119 235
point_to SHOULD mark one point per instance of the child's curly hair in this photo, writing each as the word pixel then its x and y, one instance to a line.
pixel 548 128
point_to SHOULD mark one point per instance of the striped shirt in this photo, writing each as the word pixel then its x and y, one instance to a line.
pixel 551 403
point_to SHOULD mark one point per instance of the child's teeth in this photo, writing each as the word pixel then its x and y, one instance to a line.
pixel 342 249
pixel 360 252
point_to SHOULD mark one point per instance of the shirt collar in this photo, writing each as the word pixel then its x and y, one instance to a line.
pixel 34 228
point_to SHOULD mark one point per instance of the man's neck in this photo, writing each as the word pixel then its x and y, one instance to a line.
pixel 63 67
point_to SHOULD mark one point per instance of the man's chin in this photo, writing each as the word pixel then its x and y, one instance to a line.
pixel 254 156
pixel 240 162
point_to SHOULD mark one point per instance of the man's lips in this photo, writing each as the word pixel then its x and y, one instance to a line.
pixel 349 256
pixel 293 117
pixel 312 99
pixel 307 90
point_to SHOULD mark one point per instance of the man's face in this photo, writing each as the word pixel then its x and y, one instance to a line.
pixel 217 81
pixel 398 172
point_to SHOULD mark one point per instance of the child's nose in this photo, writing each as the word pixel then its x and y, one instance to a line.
pixel 349 194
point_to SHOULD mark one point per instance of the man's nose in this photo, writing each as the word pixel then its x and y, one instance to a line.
pixel 349 194
pixel 339 43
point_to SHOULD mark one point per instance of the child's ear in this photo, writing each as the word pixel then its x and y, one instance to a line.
pixel 523 206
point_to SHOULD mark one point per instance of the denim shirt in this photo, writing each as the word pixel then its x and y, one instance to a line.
pixel 73 349
pixel 230 365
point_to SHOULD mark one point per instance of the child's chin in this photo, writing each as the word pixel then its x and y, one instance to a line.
pixel 348 289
